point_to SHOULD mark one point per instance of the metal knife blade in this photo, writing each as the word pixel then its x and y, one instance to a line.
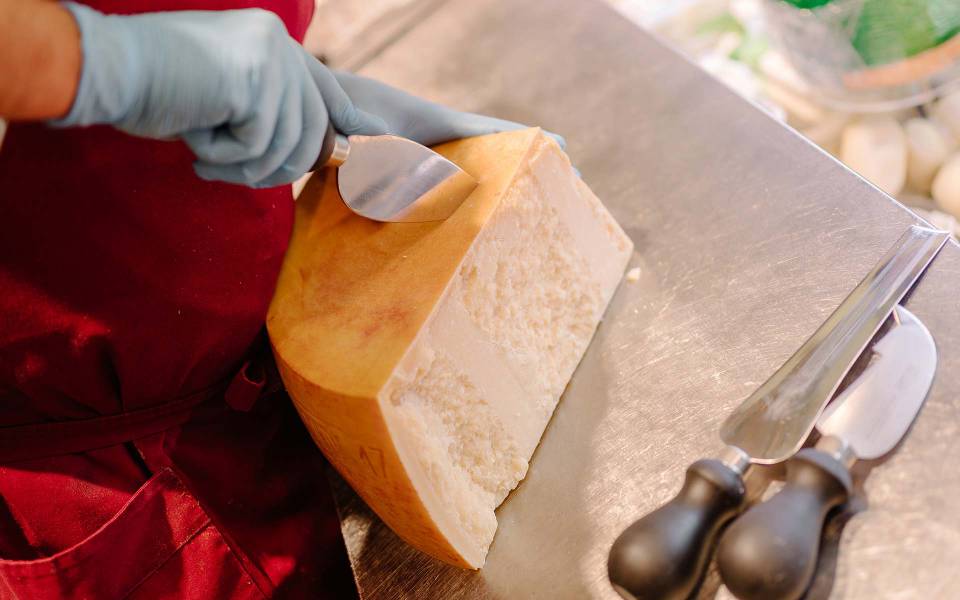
pixel 875 411
pixel 389 178
pixel 772 424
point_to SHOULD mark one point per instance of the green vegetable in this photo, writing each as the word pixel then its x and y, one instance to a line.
pixel 889 30
pixel 750 51
pixel 807 3
pixel 886 31
pixel 721 24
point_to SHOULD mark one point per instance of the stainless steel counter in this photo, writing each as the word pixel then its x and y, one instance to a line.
pixel 747 237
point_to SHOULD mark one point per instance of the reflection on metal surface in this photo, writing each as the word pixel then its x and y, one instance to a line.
pixel 340 150
pixel 735 459
pixel 877 409
pixel 774 421
pixel 748 238
pixel 390 178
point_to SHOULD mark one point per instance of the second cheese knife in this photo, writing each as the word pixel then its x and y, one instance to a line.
pixel 663 555
pixel 770 553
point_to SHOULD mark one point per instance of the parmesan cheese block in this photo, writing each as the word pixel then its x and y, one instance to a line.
pixel 427 358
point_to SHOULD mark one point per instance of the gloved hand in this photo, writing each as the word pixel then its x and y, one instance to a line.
pixel 249 101
pixel 246 98
pixel 420 120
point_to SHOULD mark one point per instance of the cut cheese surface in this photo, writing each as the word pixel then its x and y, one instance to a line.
pixel 427 358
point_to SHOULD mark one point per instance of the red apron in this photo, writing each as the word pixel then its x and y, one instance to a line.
pixel 145 448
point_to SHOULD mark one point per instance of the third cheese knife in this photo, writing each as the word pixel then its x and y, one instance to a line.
pixel 770 553
pixel 663 555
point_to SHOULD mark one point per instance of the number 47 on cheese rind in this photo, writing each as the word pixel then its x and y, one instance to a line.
pixel 427 358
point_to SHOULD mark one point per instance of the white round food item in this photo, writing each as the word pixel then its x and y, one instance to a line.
pixel 927 148
pixel 946 186
pixel 947 111
pixel 876 148
pixel 952 142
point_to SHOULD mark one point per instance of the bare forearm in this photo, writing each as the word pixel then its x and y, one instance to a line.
pixel 40 59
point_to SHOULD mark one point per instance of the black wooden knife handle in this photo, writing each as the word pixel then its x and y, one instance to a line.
pixel 770 553
pixel 664 555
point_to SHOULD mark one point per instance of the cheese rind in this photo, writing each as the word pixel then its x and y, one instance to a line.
pixel 426 359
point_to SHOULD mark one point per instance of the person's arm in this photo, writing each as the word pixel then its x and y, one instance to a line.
pixel 40 59
pixel 245 97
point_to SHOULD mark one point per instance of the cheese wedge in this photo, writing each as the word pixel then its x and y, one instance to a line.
pixel 426 359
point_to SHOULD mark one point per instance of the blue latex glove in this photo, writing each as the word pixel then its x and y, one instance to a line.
pixel 420 120
pixel 247 99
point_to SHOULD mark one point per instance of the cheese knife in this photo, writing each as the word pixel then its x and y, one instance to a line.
pixel 770 553
pixel 663 555
pixel 393 179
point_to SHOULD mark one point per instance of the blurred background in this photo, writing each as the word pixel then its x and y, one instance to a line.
pixel 876 83
pixel 347 33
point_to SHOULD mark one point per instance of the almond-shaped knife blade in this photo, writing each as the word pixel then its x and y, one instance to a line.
pixel 393 179
pixel 390 178
pixel 875 411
